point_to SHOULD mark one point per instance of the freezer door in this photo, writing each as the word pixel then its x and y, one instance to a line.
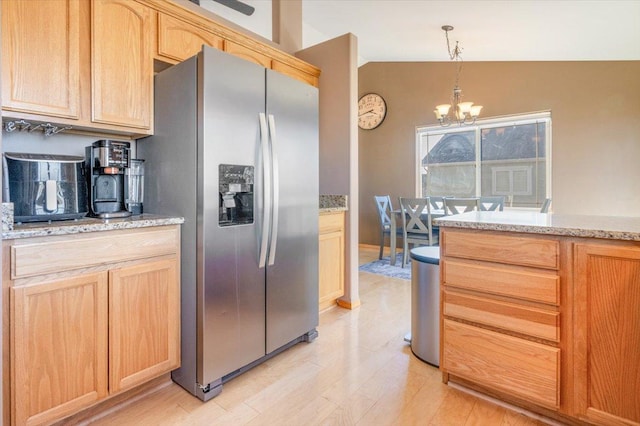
pixel 231 328
pixel 292 270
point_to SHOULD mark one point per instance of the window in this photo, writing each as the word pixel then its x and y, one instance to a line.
pixel 508 157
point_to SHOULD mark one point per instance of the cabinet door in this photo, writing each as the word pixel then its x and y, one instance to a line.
pixel 58 347
pixel 331 259
pixel 144 321
pixel 607 333
pixel 122 63
pixel 179 40
pixel 40 55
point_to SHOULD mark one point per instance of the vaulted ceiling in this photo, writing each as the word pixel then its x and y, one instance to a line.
pixel 488 30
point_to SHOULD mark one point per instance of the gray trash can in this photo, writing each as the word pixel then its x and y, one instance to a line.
pixel 425 304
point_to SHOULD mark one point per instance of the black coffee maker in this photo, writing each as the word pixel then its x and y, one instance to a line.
pixel 106 162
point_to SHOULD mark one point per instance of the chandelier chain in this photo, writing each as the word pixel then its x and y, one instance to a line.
pixel 462 113
pixel 455 55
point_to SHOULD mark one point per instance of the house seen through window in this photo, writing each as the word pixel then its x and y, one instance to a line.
pixel 507 157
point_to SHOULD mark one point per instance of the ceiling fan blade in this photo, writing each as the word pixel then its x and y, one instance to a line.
pixel 238 6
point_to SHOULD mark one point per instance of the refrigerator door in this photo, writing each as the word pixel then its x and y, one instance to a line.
pixel 292 270
pixel 231 328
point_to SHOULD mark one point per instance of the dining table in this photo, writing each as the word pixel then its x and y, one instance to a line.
pixel 395 216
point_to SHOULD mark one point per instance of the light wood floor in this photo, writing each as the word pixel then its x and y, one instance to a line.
pixel 358 372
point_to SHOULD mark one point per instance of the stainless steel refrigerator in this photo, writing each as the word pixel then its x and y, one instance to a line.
pixel 235 152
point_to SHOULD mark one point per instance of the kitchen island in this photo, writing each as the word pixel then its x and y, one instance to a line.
pixel 541 311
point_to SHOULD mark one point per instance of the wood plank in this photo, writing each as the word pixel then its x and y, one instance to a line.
pixel 179 40
pixel 518 282
pixel 502 247
pixel 607 333
pixel 296 73
pixel 38 256
pixel 526 320
pixel 497 361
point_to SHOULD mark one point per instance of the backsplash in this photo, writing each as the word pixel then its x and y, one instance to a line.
pixel 7 217
pixel 37 143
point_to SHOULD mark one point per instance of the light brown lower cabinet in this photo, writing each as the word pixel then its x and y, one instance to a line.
pixel 607 332
pixel 549 323
pixel 58 347
pixel 331 258
pixel 95 326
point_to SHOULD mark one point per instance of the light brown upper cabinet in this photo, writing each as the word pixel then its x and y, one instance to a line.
pixel 247 54
pixel 181 32
pixel 40 55
pixel 85 64
pixel 179 40
pixel 294 72
pixel 121 63
pixel 89 64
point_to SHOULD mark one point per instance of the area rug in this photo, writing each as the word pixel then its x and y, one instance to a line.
pixel 382 267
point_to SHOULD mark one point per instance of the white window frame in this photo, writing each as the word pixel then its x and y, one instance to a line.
pixel 520 119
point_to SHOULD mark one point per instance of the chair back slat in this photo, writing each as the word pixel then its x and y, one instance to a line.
pixel 454 205
pixel 383 202
pixel 417 225
pixel 437 203
pixel 491 203
pixel 414 209
pixel 545 205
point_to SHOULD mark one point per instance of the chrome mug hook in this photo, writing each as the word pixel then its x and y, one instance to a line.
pixel 23 125
pixel 50 129
pixel 9 126
pixel 60 129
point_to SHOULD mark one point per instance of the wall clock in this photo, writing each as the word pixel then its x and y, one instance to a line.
pixel 371 111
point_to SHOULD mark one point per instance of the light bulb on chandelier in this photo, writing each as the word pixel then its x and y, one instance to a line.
pixel 465 113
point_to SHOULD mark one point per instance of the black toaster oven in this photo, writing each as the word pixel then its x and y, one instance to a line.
pixel 45 187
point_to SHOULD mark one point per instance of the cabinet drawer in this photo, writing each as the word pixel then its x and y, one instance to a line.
pixel 57 254
pixel 510 249
pixel 538 286
pixel 331 222
pixel 515 366
pixel 507 316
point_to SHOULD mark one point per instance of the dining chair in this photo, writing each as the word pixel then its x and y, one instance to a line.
pixel 545 205
pixel 454 205
pixel 385 210
pixel 416 224
pixel 491 203
pixel 437 203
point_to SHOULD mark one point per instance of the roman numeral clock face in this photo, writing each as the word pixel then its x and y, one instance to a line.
pixel 371 111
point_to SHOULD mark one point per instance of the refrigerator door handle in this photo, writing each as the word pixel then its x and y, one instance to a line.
pixel 266 216
pixel 276 191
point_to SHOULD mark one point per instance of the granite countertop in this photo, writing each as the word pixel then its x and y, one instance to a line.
pixel 608 227
pixel 333 203
pixel 66 227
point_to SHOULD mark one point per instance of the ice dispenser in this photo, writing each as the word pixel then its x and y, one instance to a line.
pixel 235 194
